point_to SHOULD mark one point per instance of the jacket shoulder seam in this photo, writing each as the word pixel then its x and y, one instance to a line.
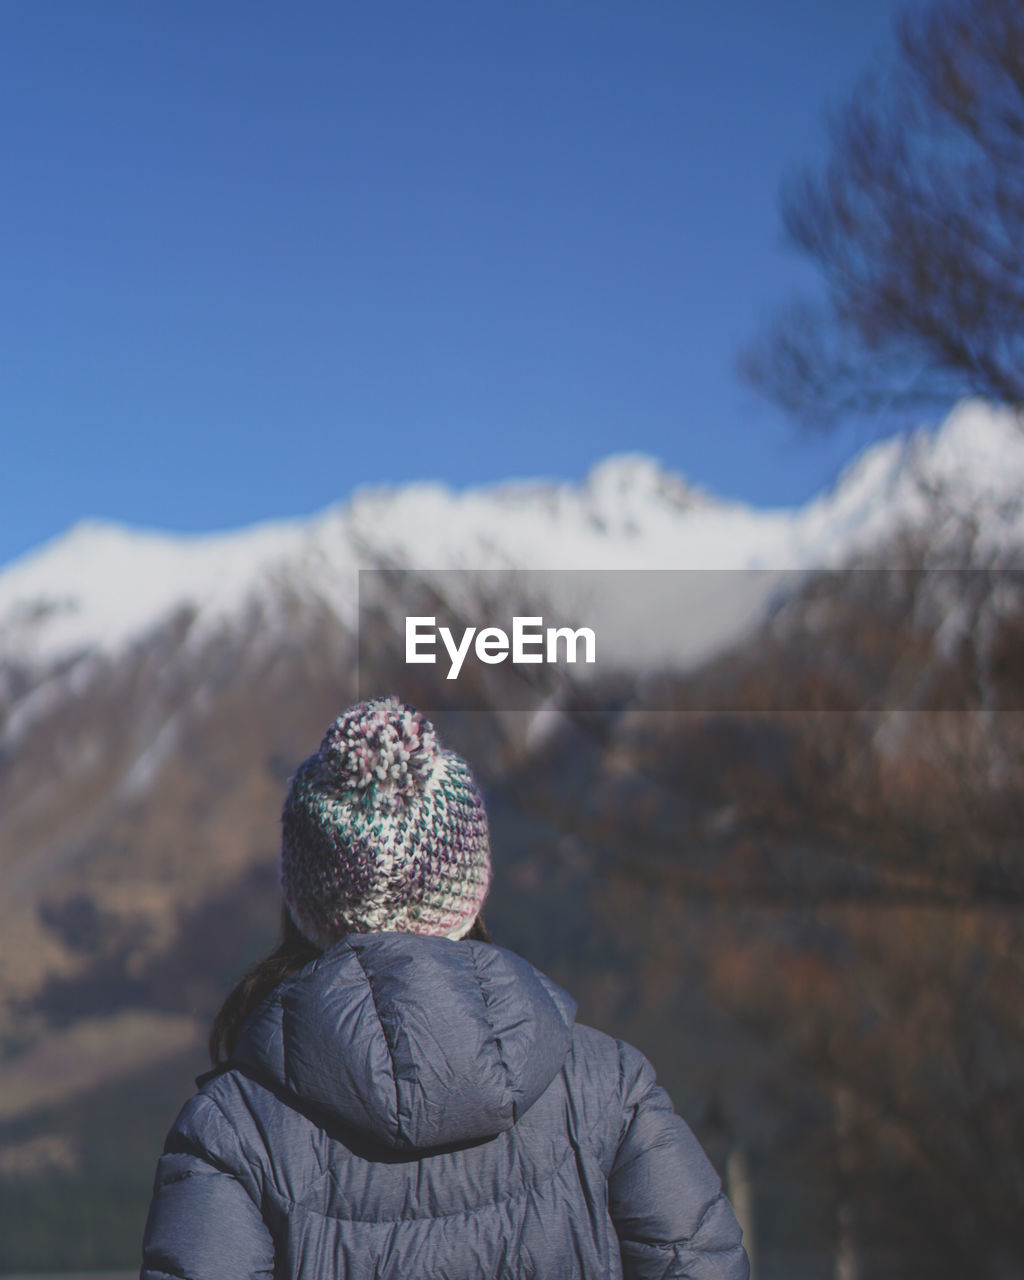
pixel 506 1070
pixel 387 1040
pixel 252 1162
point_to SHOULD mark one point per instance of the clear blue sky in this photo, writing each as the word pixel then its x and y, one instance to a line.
pixel 254 254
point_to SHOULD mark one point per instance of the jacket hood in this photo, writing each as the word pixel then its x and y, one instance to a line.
pixel 413 1042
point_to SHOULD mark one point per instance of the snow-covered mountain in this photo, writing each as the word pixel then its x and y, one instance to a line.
pixel 156 693
pixel 101 587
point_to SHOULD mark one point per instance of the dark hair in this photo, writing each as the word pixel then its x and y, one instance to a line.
pixel 292 953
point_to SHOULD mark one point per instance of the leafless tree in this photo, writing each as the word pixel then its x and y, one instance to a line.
pixel 916 224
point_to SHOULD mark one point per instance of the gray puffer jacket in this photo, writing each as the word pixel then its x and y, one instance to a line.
pixel 410 1106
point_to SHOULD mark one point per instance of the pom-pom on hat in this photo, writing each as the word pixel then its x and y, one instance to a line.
pixel 383 830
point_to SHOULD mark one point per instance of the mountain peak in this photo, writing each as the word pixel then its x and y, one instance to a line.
pixel 979 443
pixel 638 476
pixel 103 586
pixel 968 472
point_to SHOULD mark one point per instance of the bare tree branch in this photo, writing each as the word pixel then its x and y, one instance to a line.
pixel 916 224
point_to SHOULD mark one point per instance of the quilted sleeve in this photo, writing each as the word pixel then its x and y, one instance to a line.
pixel 665 1198
pixel 204 1219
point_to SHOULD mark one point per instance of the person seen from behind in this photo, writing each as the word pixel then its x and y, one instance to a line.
pixel 393 1096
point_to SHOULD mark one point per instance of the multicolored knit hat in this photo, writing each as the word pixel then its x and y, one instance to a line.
pixel 382 829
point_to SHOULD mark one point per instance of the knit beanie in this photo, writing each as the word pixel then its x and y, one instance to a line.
pixel 383 830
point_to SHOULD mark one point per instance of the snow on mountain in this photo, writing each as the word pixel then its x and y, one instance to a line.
pixel 968 474
pixel 101 586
